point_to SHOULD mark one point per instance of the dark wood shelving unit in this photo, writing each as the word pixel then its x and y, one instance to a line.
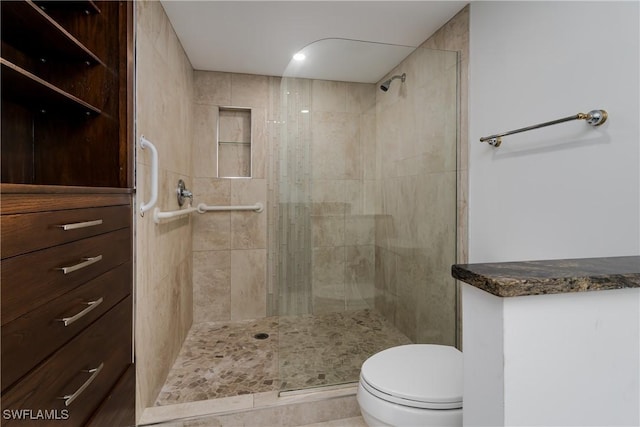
pixel 84 6
pixel 66 93
pixel 24 88
pixel 66 71
pixel 27 27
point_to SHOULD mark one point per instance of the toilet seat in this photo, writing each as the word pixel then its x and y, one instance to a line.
pixel 426 376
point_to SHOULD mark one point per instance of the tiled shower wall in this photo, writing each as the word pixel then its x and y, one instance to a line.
pixel 418 171
pixel 343 124
pixel 230 248
pixel 164 115
pixel 454 36
pixel 347 224
pixel 416 227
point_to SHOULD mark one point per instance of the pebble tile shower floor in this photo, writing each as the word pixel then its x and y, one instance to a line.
pixel 224 359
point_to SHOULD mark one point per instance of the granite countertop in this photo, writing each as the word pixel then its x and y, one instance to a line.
pixel 512 279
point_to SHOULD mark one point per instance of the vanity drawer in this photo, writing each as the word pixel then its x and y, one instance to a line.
pixel 119 408
pixel 84 371
pixel 30 280
pixel 24 233
pixel 32 337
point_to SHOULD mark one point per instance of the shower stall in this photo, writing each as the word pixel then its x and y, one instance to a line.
pixel 364 210
pixel 359 160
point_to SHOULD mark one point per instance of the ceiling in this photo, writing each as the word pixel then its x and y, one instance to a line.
pixel 260 37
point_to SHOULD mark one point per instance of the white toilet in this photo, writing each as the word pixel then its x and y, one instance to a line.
pixel 415 385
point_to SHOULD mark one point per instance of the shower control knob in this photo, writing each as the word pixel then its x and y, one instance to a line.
pixel 183 193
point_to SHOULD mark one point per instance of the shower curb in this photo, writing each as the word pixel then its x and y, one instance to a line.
pixel 260 409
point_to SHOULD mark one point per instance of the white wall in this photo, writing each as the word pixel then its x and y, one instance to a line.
pixel 566 191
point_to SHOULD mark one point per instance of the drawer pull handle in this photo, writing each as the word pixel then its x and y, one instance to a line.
pixel 77 225
pixel 91 305
pixel 69 398
pixel 86 262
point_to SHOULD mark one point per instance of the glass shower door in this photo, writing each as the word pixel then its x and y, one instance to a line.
pixel 366 223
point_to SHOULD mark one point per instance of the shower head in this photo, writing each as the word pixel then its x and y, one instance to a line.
pixel 385 86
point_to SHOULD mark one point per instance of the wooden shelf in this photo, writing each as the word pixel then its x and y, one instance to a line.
pixel 67 94
pixel 85 6
pixel 28 28
pixel 24 88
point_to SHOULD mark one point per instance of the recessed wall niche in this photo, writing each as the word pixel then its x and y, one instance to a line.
pixel 234 142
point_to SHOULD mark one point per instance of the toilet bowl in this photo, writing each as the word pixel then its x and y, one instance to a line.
pixel 415 385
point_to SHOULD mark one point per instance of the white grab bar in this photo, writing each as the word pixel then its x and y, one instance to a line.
pixel 145 143
pixel 157 215
pixel 202 208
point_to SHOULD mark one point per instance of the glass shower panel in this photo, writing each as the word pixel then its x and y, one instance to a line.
pixel 416 215
pixel 293 236
pixel 366 221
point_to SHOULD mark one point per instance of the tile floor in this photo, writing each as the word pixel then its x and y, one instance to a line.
pixel 225 359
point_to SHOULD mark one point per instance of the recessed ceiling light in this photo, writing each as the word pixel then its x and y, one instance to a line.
pixel 299 56
pixel 304 111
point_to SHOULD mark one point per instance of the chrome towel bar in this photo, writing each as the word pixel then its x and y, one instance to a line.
pixel 593 117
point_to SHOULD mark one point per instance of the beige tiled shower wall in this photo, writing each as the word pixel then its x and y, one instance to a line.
pixel 421 183
pixel 229 248
pixel 343 117
pixel 454 35
pixel 164 115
